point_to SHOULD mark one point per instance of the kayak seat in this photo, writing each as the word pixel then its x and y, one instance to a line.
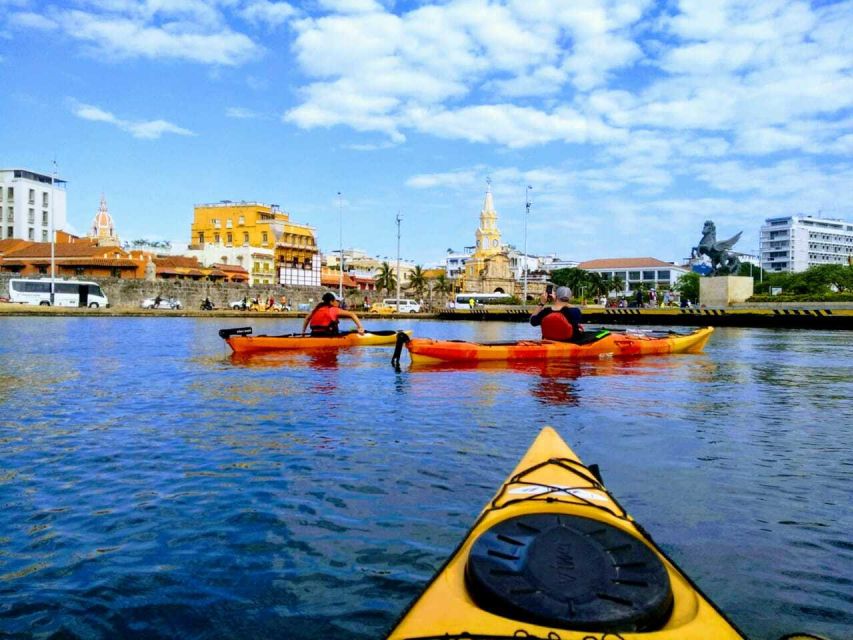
pixel 568 572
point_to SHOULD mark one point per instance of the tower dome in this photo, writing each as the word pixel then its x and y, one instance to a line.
pixel 102 228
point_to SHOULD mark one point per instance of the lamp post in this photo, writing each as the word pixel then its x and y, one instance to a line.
pixel 52 236
pixel 398 261
pixel 341 245
pixel 526 214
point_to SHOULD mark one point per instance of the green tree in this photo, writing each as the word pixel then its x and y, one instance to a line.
pixel 688 286
pixel 617 284
pixel 417 281
pixel 385 278
pixel 442 284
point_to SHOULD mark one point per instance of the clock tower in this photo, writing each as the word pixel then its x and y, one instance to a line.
pixel 488 235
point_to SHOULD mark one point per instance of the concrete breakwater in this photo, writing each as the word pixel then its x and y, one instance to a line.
pixel 818 315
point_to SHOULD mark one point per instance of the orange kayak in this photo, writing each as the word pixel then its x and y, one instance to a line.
pixel 242 341
pixel 603 344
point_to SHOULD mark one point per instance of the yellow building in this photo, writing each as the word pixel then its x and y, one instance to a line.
pixel 256 236
pixel 488 268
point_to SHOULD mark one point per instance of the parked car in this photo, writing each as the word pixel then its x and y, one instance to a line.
pixel 163 303
pixel 406 305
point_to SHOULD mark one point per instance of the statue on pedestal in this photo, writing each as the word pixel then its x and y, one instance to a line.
pixel 723 260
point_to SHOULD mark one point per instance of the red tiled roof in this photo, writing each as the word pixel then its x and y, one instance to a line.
pixel 177 261
pixel 623 263
pixel 75 262
pixel 65 250
pixel 230 268
pixel 329 280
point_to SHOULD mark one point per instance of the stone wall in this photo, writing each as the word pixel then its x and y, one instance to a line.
pixel 130 293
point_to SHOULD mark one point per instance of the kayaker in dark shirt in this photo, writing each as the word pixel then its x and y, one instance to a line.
pixel 324 318
pixel 558 319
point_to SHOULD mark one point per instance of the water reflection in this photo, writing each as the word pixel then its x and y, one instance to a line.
pixel 314 359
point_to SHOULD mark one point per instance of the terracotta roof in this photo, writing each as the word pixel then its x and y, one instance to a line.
pixel 65 250
pixel 623 263
pixel 329 280
pixel 177 261
pixel 12 244
pixel 94 261
pixel 230 268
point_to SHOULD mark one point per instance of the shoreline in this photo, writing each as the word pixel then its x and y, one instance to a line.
pixel 763 315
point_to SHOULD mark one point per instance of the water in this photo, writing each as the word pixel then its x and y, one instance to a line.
pixel 152 487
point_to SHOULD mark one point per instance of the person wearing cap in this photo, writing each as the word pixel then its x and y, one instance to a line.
pixel 558 319
pixel 324 318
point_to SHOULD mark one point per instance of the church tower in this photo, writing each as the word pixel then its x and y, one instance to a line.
pixel 102 229
pixel 488 235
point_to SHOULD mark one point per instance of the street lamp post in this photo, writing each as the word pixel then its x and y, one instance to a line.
pixel 52 237
pixel 526 214
pixel 398 261
pixel 341 245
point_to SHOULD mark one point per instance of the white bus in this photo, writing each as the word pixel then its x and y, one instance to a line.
pixel 66 293
pixel 463 300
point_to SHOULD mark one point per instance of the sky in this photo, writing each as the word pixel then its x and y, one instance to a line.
pixel 631 122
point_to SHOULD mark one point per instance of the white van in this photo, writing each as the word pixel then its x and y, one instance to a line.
pixel 406 306
pixel 66 293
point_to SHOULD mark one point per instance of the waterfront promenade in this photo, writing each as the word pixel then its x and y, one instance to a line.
pixel 805 315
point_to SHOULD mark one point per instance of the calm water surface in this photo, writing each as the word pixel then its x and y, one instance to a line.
pixel 151 486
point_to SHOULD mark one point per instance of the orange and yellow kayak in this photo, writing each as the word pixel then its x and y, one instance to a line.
pixel 609 344
pixel 242 341
pixel 553 555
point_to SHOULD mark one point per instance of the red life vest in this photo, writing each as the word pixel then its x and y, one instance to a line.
pixel 325 320
pixel 555 326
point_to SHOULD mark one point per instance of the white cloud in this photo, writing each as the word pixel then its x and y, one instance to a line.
pixel 29 20
pixel 149 130
pixel 241 113
pixel 273 14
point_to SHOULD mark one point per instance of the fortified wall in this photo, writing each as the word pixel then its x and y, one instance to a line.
pixel 130 293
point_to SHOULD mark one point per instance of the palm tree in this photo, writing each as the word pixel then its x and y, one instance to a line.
pixel 417 281
pixel 385 278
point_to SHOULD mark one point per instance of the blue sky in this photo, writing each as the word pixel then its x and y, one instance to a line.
pixel 633 122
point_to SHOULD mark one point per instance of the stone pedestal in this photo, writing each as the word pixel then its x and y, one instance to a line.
pixel 721 291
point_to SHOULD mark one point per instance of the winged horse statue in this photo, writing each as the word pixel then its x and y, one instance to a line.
pixel 723 260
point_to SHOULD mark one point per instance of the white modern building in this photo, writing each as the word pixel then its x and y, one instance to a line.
pixel 27 201
pixel 795 243
pixel 651 273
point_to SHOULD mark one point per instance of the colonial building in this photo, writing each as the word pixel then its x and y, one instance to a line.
pixel 83 258
pixel 650 273
pixel 27 202
pixel 103 230
pixel 250 234
pixel 795 243
pixel 488 268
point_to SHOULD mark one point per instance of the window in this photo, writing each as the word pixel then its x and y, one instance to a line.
pixel 201 237
pixel 80 270
pixel 215 222
pixel 663 275
pixel 32 198
pixel 43 270
pixel 44 218
pixel 44 200
pixel 216 238
pixel 245 238
pixel 116 272
pixel 10 192
pixel 633 275
pixel 265 237
pixel 229 238
pixel 31 216
pixel 228 224
pixel 44 235
pixel 11 216
pixel 31 234
pixel 10 231
pixel 241 220
pixel 648 275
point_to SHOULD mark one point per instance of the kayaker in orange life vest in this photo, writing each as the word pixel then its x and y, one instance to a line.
pixel 324 317
pixel 558 319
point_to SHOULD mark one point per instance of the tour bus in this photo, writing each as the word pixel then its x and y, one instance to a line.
pixel 66 293
pixel 463 300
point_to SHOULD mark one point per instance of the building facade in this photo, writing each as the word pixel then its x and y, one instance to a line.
pixel 795 243
pixel 253 235
pixel 487 269
pixel 27 202
pixel 650 273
